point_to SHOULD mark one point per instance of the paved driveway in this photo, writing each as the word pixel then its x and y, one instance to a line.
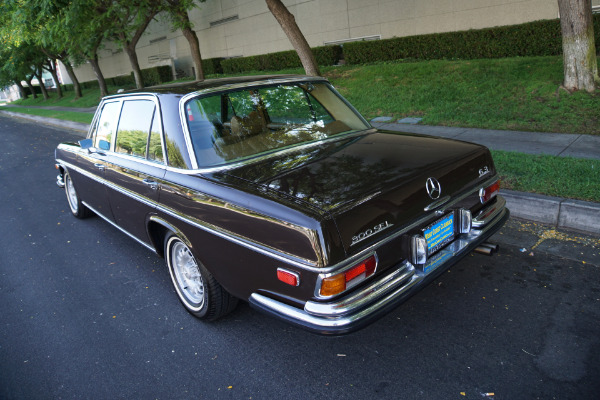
pixel 89 313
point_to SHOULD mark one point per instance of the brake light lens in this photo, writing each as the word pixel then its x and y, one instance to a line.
pixel 345 280
pixel 489 192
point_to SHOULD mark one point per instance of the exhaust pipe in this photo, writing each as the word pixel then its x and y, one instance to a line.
pixel 487 248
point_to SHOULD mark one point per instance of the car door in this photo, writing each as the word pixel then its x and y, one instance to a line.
pixel 92 176
pixel 135 169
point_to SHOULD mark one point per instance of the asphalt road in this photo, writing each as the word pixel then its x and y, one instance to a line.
pixel 89 313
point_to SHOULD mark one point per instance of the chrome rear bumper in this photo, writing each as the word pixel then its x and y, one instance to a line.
pixel 359 308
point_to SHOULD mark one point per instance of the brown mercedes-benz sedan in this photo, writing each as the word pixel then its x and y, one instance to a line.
pixel 275 190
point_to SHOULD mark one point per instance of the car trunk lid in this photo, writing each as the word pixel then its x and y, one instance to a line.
pixel 373 182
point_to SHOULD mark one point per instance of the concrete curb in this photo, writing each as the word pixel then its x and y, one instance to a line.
pixel 556 211
pixel 79 127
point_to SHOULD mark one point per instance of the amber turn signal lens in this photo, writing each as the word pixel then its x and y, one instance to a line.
pixel 345 280
pixel 333 285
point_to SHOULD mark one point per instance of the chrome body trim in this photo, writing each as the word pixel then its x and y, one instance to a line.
pixel 60 181
pixel 437 203
pixel 488 214
pixel 259 248
pixel 365 296
pixel 290 259
pixel 103 181
pixel 120 99
pixel 119 228
pixel 395 235
pixel 351 311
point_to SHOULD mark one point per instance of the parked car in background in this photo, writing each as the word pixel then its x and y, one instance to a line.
pixel 276 191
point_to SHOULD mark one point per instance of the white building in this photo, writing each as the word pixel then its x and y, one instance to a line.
pixel 233 28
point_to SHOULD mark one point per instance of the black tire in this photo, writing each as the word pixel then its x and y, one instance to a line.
pixel 197 289
pixel 78 209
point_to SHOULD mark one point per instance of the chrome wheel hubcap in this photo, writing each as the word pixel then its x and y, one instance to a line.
pixel 72 195
pixel 187 273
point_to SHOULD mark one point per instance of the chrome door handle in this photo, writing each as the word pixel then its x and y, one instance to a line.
pixel 153 185
pixel 99 166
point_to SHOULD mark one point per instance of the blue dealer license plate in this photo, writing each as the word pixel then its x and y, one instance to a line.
pixel 439 233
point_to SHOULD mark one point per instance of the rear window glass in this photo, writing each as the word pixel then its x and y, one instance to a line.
pixel 239 124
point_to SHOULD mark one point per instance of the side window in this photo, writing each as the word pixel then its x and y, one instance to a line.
pixel 155 152
pixel 105 129
pixel 134 127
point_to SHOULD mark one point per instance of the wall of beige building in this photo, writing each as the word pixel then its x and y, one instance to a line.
pixel 231 28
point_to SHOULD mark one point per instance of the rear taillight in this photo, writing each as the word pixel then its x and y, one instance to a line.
pixel 489 192
pixel 345 280
pixel 465 221
pixel 418 250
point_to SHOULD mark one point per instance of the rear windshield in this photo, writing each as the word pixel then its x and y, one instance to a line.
pixel 235 125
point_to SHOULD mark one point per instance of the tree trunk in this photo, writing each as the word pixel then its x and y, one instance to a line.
pixel 192 39
pixel 579 50
pixel 295 36
pixel 76 85
pixel 40 78
pixel 135 66
pixel 129 47
pixel 52 69
pixel 22 92
pixel 31 89
pixel 99 76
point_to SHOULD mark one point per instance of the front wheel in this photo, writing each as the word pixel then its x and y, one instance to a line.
pixel 78 209
pixel 196 288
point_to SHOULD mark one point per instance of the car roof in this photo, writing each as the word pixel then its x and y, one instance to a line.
pixel 194 86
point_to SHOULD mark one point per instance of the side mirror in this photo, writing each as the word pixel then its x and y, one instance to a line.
pixel 103 145
pixel 86 143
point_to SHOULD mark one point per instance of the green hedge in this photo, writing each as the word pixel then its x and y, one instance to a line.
pixel 156 75
pixel 212 66
pixel 325 55
pixel 539 38
pixel 121 81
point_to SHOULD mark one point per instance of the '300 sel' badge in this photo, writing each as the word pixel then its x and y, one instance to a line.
pixel 370 232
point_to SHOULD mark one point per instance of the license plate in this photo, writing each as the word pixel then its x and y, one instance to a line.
pixel 439 233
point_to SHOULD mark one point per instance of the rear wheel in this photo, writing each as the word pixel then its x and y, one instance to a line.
pixel 78 209
pixel 197 289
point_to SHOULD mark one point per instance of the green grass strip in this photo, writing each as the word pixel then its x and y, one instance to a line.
pixel 568 177
pixel 65 115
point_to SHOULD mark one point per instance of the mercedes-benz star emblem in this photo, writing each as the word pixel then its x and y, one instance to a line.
pixel 434 189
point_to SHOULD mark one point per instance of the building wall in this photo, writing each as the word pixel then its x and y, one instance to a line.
pixel 255 30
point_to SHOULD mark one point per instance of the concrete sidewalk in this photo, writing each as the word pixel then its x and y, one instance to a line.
pixel 555 211
pixel 555 144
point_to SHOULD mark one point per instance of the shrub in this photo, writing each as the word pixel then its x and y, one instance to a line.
pixel 325 55
pixel 212 66
pixel 89 85
pixel 121 81
pixel 538 38
pixel 155 75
